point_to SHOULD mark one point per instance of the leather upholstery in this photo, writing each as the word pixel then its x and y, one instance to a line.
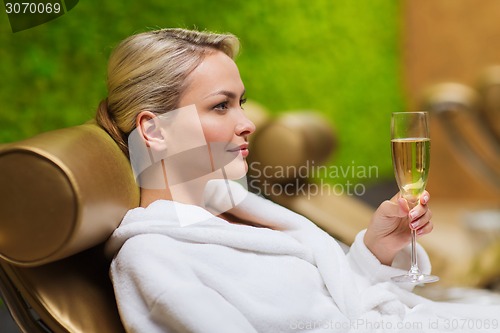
pixel 293 140
pixel 62 194
pixel 70 295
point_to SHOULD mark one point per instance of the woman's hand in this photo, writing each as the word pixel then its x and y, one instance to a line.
pixel 389 230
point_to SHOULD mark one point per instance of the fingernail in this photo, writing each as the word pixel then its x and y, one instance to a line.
pixel 413 214
pixel 419 232
pixel 414 225
pixel 425 198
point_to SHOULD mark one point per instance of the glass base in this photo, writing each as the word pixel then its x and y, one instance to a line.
pixel 415 278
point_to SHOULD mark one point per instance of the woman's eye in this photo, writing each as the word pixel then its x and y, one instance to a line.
pixel 242 101
pixel 221 106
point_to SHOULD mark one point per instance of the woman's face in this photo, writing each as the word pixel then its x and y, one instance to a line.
pixel 216 89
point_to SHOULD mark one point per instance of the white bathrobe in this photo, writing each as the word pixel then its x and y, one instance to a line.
pixel 204 274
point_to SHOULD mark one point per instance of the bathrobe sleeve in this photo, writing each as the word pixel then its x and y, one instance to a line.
pixel 157 291
pixel 364 262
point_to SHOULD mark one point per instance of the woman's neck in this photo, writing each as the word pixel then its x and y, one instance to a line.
pixel 190 192
pixel 148 196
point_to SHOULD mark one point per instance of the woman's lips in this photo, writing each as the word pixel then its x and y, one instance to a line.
pixel 243 149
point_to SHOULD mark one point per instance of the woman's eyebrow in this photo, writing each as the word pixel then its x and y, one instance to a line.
pixel 227 93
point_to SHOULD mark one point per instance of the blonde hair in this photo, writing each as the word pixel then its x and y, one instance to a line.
pixel 148 71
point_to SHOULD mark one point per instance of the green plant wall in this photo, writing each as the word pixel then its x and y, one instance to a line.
pixel 339 57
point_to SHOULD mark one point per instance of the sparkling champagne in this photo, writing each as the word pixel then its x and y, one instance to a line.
pixel 411 158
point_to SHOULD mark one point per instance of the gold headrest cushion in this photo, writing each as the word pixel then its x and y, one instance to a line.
pixel 61 192
pixel 294 140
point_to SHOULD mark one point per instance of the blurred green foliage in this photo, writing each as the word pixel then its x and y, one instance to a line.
pixel 339 57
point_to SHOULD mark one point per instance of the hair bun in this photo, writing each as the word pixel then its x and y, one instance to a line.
pixel 105 119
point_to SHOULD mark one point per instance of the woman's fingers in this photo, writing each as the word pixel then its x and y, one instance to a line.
pixel 427 228
pixel 403 208
pixel 390 209
pixel 420 220
pixel 424 198
pixel 420 210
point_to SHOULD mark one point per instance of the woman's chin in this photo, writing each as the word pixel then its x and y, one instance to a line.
pixel 236 170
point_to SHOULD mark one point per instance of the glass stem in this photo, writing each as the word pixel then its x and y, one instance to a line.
pixel 414 266
pixel 414 270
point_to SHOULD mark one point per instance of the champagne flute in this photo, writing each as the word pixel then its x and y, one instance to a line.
pixel 411 146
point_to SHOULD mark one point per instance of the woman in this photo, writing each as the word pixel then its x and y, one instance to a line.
pixel 201 254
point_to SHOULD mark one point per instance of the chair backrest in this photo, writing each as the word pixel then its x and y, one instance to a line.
pixel 62 194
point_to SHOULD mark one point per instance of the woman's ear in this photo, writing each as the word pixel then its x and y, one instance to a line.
pixel 148 125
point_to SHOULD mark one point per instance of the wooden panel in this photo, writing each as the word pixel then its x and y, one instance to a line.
pixel 449 40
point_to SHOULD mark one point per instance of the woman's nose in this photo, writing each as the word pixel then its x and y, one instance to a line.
pixel 244 126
